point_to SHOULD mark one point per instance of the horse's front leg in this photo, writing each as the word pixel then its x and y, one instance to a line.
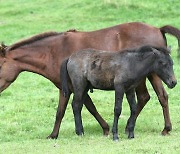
pixel 142 97
pixel 92 109
pixel 163 99
pixel 63 101
pixel 132 103
pixel 119 93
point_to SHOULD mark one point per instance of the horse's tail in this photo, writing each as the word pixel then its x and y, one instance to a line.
pixel 172 31
pixel 64 76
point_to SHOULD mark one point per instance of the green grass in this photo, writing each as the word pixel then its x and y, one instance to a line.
pixel 28 106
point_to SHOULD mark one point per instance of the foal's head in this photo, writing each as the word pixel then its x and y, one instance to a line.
pixel 164 66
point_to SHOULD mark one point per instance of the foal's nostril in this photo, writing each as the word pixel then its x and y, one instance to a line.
pixel 174 82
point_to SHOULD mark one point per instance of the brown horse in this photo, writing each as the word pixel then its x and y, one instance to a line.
pixel 44 53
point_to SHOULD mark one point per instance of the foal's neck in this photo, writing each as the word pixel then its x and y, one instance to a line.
pixel 145 66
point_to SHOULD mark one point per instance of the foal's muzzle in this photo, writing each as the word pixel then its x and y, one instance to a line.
pixel 172 84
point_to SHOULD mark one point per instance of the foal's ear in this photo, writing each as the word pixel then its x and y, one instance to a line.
pixel 149 53
pixel 169 49
pixel 156 51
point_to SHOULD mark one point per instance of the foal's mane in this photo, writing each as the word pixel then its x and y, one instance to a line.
pixel 32 39
pixel 146 48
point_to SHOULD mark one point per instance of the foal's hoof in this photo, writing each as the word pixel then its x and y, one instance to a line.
pixel 130 136
pixel 115 138
pixel 80 133
pixel 126 131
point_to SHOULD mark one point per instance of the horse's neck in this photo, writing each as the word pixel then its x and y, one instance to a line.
pixel 32 61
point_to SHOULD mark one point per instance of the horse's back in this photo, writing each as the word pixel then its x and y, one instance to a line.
pixel 127 35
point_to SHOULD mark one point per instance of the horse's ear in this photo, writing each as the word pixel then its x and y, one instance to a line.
pixel 2 49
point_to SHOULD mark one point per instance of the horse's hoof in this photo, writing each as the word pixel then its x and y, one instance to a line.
pixel 165 133
pixel 106 132
pixel 51 136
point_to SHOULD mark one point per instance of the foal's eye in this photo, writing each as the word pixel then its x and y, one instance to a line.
pixel 163 63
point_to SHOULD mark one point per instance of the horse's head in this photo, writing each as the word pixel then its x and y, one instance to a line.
pixel 8 69
pixel 164 67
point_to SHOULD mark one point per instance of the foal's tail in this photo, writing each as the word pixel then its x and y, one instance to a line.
pixel 64 76
pixel 173 31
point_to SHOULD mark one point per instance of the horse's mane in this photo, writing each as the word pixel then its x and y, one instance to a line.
pixel 32 39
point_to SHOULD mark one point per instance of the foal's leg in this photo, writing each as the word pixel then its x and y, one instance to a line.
pixel 119 93
pixel 59 115
pixel 163 99
pixel 132 103
pixel 77 105
pixel 142 97
pixel 80 94
pixel 92 109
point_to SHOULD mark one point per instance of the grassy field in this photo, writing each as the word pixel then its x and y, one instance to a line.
pixel 28 106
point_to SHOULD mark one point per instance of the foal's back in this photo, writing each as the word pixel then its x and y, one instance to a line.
pixel 99 67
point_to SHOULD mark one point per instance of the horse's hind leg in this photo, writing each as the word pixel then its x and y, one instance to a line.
pixel 142 98
pixel 59 115
pixel 61 111
pixel 92 109
pixel 163 99
pixel 132 103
